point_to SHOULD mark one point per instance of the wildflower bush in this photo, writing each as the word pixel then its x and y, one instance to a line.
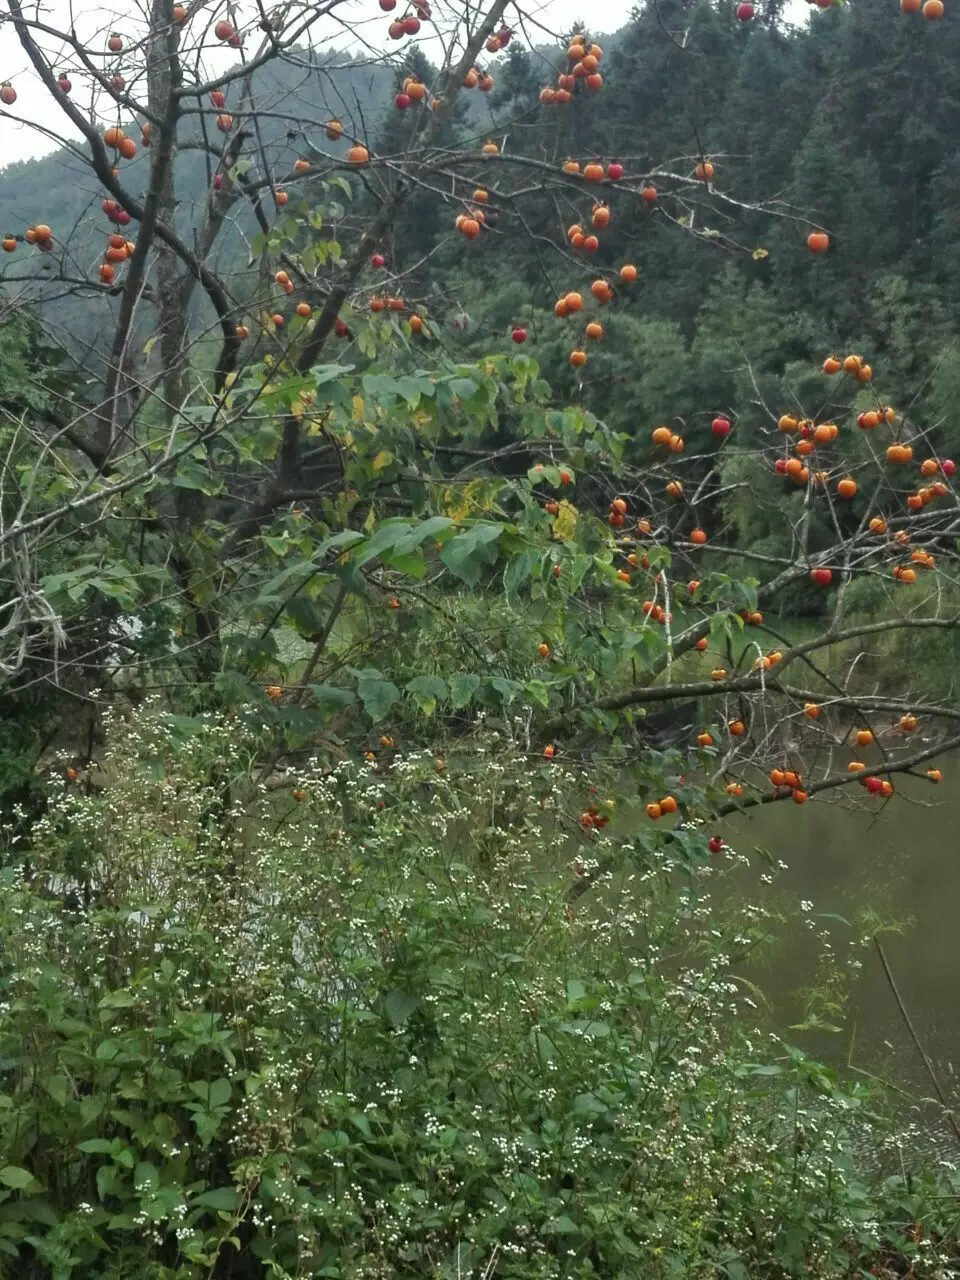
pixel 364 1024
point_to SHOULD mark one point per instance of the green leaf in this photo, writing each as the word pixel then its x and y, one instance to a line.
pixel 462 689
pixel 418 533
pixel 507 689
pixel 562 1226
pixel 11 1175
pixel 221 1199
pixel 386 538
pixel 413 388
pixel 145 1176
pixel 467 553
pixel 220 1091
pixel 59 1089
pixel 544 473
pixel 398 1006
pixel 233 689
pixel 73 584
pixel 361 1122
pixel 413 566
pixel 518 570
pixel 539 692
pixel 380 386
pixel 115 586
pixel 183 728
pixel 377 694
pixel 345 539
pixel 428 687
pixel 427 691
pixel 118 1000
pixel 325 373
pixel 213 1093
pixel 328 699
pixel 465 388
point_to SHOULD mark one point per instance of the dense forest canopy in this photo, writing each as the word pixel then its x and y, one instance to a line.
pixel 847 120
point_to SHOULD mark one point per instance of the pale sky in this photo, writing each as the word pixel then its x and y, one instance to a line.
pixel 93 23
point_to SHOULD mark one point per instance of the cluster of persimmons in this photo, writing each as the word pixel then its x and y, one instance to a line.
pixel 804 440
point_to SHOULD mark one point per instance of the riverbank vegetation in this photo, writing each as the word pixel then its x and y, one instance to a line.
pixel 368 1026
pixel 382 656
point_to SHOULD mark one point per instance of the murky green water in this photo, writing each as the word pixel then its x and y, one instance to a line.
pixel 904 860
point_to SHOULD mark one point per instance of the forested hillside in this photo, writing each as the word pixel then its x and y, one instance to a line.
pixel 848 120
pixel 26 188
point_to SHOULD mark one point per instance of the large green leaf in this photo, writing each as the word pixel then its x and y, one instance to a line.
pixel 518 569
pixel 220 1199
pixel 18 1179
pixel 418 533
pixel 462 689
pixel 382 541
pixel 399 1006
pixel 507 690
pixel 469 552
pixel 377 693
pixel 328 699
pixel 427 691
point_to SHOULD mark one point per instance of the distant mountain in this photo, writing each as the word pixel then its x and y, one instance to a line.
pixel 318 89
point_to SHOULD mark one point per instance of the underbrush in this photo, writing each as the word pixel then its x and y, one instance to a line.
pixel 366 1026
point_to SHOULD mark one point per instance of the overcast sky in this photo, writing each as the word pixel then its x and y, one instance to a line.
pixel 19 141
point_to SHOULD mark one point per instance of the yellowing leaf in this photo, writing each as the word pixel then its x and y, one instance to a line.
pixel 358 408
pixel 759 254
pixel 296 408
pixel 383 459
pixel 459 503
pixel 565 522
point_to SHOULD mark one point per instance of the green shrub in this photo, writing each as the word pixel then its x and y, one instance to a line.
pixel 361 1024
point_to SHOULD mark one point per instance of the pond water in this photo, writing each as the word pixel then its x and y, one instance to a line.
pixel 903 859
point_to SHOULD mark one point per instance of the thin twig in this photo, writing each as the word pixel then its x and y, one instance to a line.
pixel 947 1111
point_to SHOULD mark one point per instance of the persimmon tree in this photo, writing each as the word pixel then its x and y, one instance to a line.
pixel 296 972
pixel 289 477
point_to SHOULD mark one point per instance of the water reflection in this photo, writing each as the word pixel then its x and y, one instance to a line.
pixel 903 858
